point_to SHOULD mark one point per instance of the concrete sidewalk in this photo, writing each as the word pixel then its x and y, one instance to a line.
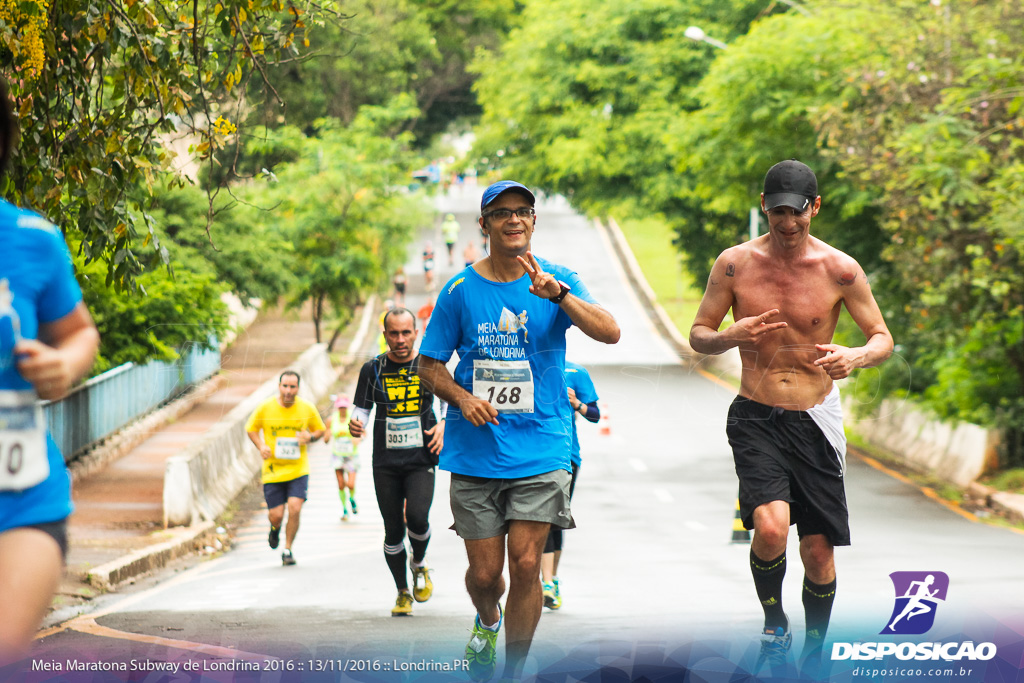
pixel 116 532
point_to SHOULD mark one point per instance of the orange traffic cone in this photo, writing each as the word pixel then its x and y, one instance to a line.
pixel 739 534
pixel 606 421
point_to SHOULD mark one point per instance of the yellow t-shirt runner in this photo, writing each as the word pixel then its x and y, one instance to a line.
pixel 280 425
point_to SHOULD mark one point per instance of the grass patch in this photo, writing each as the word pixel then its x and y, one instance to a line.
pixel 1007 480
pixel 651 242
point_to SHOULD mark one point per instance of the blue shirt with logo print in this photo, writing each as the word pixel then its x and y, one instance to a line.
pixel 485 321
pixel 36 264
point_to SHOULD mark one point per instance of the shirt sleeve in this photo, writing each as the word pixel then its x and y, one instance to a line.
pixel 578 288
pixel 61 293
pixel 585 391
pixel 315 423
pixel 255 421
pixel 364 389
pixel 441 337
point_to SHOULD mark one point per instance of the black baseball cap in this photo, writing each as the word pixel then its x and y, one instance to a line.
pixel 790 183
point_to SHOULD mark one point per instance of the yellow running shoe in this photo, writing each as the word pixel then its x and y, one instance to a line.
pixel 482 651
pixel 403 605
pixel 549 594
pixel 422 586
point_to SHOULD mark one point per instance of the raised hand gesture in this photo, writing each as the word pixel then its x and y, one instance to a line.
pixel 542 284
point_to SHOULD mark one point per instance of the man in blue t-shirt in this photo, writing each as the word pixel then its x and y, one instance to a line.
pixel 583 399
pixel 510 423
pixel 47 343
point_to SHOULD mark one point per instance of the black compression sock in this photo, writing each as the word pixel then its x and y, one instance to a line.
pixel 817 599
pixel 397 563
pixel 768 576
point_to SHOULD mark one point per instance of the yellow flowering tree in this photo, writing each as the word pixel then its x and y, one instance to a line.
pixel 100 87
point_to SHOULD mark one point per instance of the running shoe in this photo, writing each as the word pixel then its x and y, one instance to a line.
pixel 275 537
pixel 558 593
pixel 403 605
pixel 775 644
pixel 482 651
pixel 344 516
pixel 549 594
pixel 422 586
pixel 287 559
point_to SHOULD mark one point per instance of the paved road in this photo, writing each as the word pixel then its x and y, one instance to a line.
pixel 651 583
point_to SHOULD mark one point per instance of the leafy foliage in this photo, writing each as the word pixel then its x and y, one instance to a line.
pixel 186 311
pixel 248 254
pixel 344 206
pixel 113 80
pixel 909 112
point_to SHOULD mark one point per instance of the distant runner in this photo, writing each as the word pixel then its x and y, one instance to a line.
pixel 583 399
pixel 344 455
pixel 281 428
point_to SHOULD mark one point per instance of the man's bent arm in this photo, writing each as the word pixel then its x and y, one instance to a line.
pixel 714 305
pixel 435 375
pixel 593 320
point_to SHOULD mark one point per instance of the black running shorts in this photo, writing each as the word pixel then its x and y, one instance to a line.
pixel 783 455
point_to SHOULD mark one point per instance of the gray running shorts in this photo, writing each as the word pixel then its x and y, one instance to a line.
pixel 483 507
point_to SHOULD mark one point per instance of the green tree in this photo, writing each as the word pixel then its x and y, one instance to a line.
pixel 176 314
pixel 345 207
pixel 591 110
pixel 387 47
pixel 100 86
pixel 938 128
pixel 248 253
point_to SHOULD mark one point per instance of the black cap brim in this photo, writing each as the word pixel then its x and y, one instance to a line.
pixel 796 201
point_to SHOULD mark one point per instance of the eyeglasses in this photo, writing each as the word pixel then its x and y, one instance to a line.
pixel 506 214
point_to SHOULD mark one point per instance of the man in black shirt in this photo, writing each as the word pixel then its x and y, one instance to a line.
pixel 407 439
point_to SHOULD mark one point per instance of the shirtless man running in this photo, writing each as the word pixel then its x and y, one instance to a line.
pixel 785 290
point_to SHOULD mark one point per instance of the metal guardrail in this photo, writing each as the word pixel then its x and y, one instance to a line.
pixel 108 402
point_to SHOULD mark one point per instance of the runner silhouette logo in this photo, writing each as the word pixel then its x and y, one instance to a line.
pixel 918 595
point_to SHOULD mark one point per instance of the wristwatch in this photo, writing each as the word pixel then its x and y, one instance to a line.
pixel 557 299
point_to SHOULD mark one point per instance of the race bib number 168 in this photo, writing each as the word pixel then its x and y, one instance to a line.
pixel 506 385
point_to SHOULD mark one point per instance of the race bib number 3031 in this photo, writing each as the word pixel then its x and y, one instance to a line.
pixel 23 462
pixel 403 432
pixel 506 385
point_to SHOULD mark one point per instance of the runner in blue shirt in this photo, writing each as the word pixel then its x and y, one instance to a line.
pixel 47 342
pixel 583 399
pixel 507 443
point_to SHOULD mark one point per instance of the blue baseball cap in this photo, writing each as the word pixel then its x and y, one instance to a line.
pixel 502 186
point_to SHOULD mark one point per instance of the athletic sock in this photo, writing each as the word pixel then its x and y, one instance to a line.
pixel 768 576
pixel 817 599
pixel 418 543
pixel 397 560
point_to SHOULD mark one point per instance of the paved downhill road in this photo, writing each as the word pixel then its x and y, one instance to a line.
pixel 649 577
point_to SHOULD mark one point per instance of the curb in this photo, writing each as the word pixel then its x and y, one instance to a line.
pixel 183 541
pixel 636 277
pixel 727 363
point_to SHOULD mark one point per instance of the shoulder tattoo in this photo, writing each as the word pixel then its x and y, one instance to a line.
pixel 847 278
pixel 730 270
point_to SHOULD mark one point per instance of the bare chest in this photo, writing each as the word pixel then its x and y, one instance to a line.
pixel 808 301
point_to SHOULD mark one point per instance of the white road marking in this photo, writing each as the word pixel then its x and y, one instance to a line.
pixel 638 464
